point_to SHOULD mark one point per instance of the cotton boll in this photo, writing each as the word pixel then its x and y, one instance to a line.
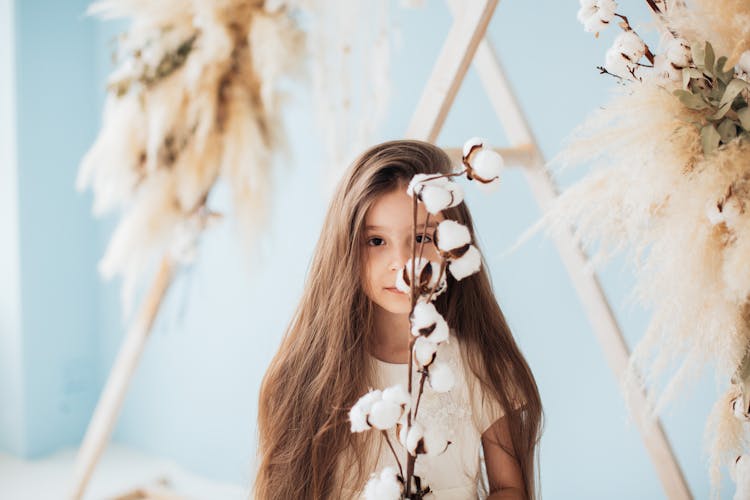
pixel 714 215
pixel 436 193
pixel 617 64
pixel 630 45
pixel 361 409
pixel 471 144
pixel 386 486
pixel 412 437
pixel 404 279
pixel 468 264
pixel 741 477
pixel 396 394
pixel 435 442
pixel 744 63
pixel 441 377
pixel 596 15
pixel 435 199
pixel 450 235
pixel 384 414
pixel 424 351
pixel 427 322
pixel 664 71
pixel 678 52
pixel 487 164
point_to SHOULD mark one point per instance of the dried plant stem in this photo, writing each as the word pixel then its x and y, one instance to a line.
pixel 440 277
pixel 421 390
pixel 454 174
pixel 395 455
pixel 421 243
pixel 626 27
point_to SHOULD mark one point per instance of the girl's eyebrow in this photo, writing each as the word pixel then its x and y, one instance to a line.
pixel 431 225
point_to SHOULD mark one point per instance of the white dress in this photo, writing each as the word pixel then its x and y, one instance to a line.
pixel 461 414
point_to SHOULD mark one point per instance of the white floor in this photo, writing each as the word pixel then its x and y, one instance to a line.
pixel 120 471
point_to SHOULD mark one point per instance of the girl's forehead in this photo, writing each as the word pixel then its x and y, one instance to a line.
pixel 393 210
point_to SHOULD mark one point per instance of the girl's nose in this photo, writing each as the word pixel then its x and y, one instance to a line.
pixel 400 256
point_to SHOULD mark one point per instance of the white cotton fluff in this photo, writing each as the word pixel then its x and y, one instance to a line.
pixel 424 352
pixel 630 45
pixel 361 409
pixel 468 264
pixel 617 64
pixel 441 377
pixel 434 442
pixel 596 15
pixel 451 234
pixel 396 394
pixel 741 476
pixel 678 52
pixel 385 414
pixel 436 194
pixel 664 71
pixel 713 214
pixel 488 165
pixel 425 315
pixel 386 486
pixel 744 63
pixel 412 437
pixel 420 264
pixel 471 144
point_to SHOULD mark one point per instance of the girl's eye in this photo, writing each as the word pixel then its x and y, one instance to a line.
pixel 375 242
pixel 425 237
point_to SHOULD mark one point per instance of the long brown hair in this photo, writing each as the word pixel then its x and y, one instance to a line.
pixel 322 366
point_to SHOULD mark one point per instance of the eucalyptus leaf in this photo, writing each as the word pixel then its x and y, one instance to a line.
pixel 724 76
pixel 690 100
pixel 709 59
pixel 733 89
pixel 690 73
pixel 744 116
pixel 727 130
pixel 709 139
pixel 719 113
pixel 698 52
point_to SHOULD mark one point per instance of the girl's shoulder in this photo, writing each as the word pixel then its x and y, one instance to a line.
pixel 469 389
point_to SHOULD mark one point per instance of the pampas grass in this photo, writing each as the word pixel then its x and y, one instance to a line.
pixel 683 218
pixel 194 97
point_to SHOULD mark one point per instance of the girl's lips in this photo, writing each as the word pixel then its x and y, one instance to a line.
pixel 395 290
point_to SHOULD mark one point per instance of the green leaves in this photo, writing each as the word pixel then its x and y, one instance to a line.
pixel 717 95
pixel 690 100
pixel 709 138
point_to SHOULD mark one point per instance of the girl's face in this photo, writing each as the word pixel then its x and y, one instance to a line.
pixel 387 241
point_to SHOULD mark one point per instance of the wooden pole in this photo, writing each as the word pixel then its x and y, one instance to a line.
pixel 110 402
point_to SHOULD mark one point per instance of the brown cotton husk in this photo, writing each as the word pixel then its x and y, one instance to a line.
pixel 195 97
pixel 647 195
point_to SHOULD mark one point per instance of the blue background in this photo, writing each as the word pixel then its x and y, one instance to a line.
pixel 194 395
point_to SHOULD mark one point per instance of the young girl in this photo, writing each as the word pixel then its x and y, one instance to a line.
pixel 351 333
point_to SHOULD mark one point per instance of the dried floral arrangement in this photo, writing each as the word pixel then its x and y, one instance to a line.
pixel 670 185
pixel 194 98
pixel 396 408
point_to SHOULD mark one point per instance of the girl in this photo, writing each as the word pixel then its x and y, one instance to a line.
pixel 350 333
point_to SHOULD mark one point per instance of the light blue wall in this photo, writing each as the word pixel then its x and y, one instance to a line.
pixel 194 396
pixel 54 120
pixel 11 365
